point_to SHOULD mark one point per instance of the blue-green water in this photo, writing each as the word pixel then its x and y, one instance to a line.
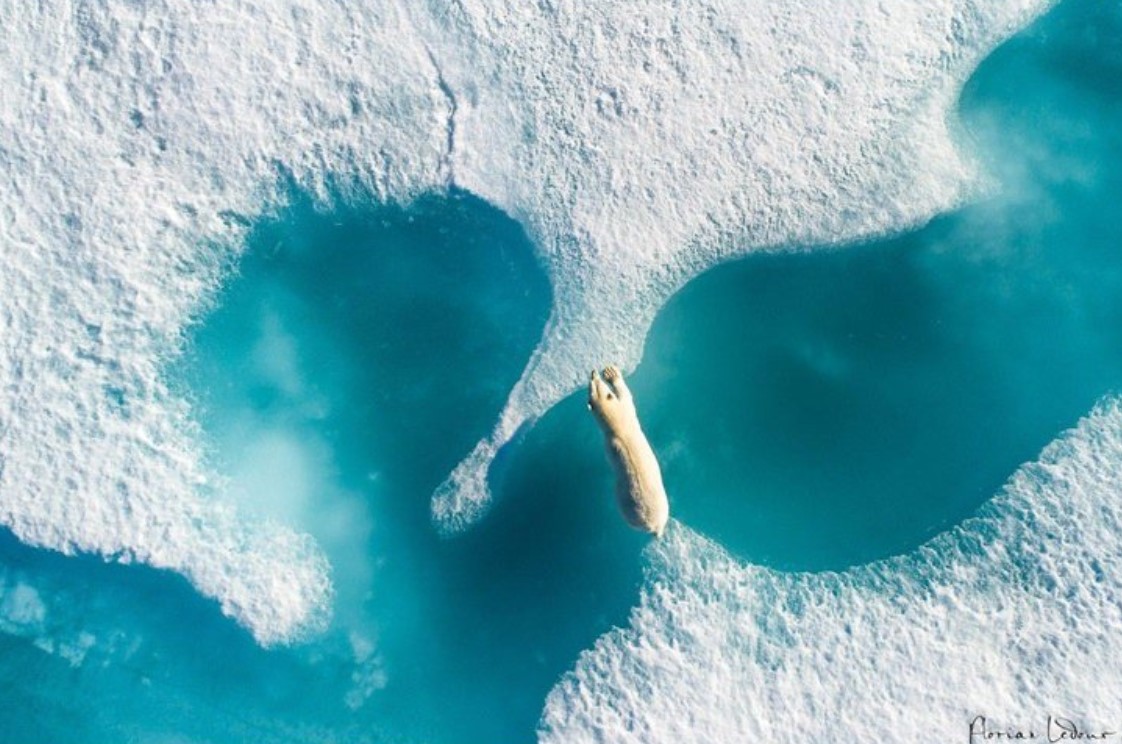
pixel 811 412
pixel 826 409
pixel 381 342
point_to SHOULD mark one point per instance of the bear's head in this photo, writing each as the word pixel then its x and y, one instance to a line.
pixel 611 412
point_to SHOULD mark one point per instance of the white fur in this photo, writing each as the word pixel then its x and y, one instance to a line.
pixel 639 490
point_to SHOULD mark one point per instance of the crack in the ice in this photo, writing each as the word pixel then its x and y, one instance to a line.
pixel 448 159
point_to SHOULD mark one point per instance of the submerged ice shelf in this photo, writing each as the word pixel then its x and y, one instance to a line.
pixel 351 358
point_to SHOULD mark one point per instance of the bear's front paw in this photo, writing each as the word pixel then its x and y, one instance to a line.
pixel 612 374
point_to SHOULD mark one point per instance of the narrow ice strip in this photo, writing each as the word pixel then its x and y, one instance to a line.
pixel 137 142
pixel 642 143
pixel 1012 615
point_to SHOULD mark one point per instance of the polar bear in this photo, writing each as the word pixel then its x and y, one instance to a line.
pixel 639 490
